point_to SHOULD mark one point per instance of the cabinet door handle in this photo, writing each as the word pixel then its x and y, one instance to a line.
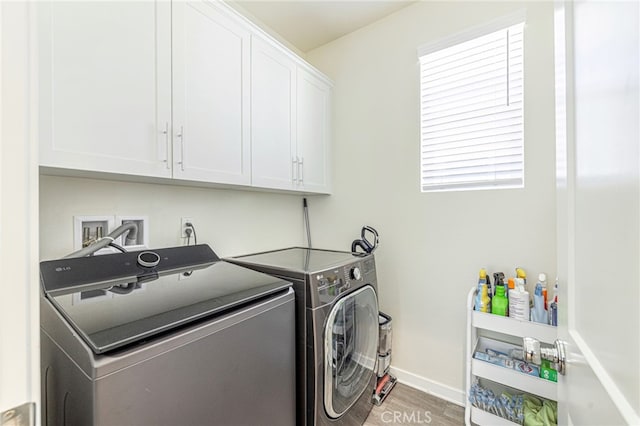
pixel 181 136
pixel 301 163
pixel 165 132
pixel 294 169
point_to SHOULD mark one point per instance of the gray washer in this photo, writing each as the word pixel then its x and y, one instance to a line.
pixel 214 348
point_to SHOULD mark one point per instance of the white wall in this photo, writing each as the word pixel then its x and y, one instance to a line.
pixel 231 222
pixel 432 244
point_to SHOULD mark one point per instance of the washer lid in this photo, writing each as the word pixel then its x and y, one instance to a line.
pixel 152 299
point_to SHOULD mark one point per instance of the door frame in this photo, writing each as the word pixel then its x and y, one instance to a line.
pixel 19 214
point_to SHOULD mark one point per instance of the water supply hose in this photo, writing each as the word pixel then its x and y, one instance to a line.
pixel 105 241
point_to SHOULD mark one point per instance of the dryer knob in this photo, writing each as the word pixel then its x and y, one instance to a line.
pixel 355 273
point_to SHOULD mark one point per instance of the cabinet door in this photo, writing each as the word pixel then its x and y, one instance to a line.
pixel 211 55
pixel 313 132
pixel 104 86
pixel 273 76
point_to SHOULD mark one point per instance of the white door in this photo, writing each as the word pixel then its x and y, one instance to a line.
pixel 211 67
pixel 598 160
pixel 105 86
pixel 313 132
pixel 273 96
pixel 19 320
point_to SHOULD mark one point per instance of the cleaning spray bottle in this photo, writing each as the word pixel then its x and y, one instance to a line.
pixel 498 281
pixel 499 303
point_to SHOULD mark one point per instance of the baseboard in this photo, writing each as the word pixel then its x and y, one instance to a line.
pixel 453 395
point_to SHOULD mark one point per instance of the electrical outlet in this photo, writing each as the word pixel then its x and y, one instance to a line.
pixel 183 229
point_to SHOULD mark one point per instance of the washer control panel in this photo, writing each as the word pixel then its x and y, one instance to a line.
pixel 330 284
pixel 72 275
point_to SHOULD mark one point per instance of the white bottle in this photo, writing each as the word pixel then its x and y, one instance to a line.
pixel 519 301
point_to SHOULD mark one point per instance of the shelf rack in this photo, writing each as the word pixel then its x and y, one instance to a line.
pixel 513 379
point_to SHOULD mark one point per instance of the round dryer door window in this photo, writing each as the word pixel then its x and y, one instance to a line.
pixel 351 344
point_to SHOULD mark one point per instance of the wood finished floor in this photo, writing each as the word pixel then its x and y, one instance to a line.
pixel 409 406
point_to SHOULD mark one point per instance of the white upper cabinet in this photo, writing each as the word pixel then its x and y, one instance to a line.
pixel 273 78
pixel 104 77
pixel 183 90
pixel 211 57
pixel 290 122
pixel 313 124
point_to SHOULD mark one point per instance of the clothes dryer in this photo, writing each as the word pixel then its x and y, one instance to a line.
pixel 336 329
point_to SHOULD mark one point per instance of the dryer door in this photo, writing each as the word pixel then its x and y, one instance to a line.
pixel 351 344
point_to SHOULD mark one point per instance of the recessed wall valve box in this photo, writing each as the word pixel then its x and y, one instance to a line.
pixel 89 229
pixel 138 239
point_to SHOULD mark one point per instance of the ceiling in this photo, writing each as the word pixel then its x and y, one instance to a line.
pixel 307 24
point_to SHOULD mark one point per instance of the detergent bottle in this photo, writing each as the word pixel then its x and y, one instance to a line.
pixel 539 313
pixel 483 302
pixel 518 300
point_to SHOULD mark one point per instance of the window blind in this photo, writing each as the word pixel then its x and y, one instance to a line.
pixel 471 97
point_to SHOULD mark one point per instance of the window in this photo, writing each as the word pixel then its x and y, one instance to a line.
pixel 471 97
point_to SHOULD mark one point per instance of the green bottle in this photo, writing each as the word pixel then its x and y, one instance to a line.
pixel 499 303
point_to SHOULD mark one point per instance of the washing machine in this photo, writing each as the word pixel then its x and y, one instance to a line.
pixel 336 329
pixel 165 337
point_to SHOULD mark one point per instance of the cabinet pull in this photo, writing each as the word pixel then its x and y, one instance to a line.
pixel 294 169
pixel 301 163
pixel 165 132
pixel 181 136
